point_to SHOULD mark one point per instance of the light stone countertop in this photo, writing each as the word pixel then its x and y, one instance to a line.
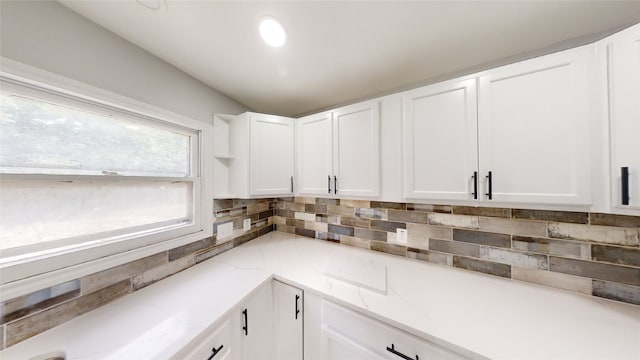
pixel 489 316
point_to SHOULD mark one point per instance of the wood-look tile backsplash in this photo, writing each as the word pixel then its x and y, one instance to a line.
pixel 590 253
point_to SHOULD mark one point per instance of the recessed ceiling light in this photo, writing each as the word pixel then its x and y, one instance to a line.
pixel 272 31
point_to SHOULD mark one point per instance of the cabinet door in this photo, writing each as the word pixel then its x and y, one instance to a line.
pixel 440 141
pixel 315 154
pixel 624 97
pixel 217 345
pixel 272 155
pixel 533 130
pixel 356 152
pixel 257 325
pixel 288 305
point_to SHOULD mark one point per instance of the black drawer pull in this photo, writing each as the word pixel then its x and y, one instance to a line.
pixel 475 185
pixel 329 184
pixel 624 177
pixel 297 307
pixel 214 352
pixel 292 184
pixel 335 184
pixel 246 322
pixel 393 350
pixel 489 186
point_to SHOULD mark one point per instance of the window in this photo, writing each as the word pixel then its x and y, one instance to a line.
pixel 78 174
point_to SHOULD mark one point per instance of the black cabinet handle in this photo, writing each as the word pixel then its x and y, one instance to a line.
pixel 292 184
pixel 624 172
pixel 329 184
pixel 214 352
pixel 475 185
pixel 395 352
pixel 335 184
pixel 297 307
pixel 246 322
pixel 489 186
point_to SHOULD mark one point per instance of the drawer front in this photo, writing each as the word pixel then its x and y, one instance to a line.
pixel 343 327
pixel 220 339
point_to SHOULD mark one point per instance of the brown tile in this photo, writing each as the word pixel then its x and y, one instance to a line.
pixel 2 337
pixel 316 226
pixel 355 203
pixel 107 277
pixel 407 216
pixel 279 220
pixel 562 248
pixel 387 225
pixel 616 255
pixel 370 234
pixel 220 204
pixel 620 292
pixel 515 258
pixel 355 222
pixel 304 200
pixel 486 267
pixel 388 205
pixel 615 220
pixel 355 241
pixel 245 238
pixel 600 271
pixel 285 199
pixel 265 214
pixel 305 232
pixel 454 247
pixel 290 206
pixel 482 211
pixel 35 324
pixel 482 238
pixel 377 214
pixel 517 227
pixel 316 209
pixel 552 279
pixel 595 233
pixel 286 228
pixel 322 218
pixel 340 210
pixel 389 248
pixel 295 222
pixel 258 208
pixel 429 208
pixel 321 201
pixel 28 304
pixel 557 216
pixel 463 221
pixel 284 213
pixel 421 231
pixel 151 276
pixel 430 256
pixel 211 252
pixel 190 248
pixel 342 230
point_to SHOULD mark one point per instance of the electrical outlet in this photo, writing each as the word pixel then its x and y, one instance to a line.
pixel 225 230
pixel 401 236
pixel 246 224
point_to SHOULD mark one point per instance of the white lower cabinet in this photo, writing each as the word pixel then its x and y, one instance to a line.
pixel 288 313
pixel 219 345
pixel 255 320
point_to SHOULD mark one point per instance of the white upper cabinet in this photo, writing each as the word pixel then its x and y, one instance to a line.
pixel 623 56
pixel 440 141
pixel 534 130
pixel 315 154
pixel 272 155
pixel 356 150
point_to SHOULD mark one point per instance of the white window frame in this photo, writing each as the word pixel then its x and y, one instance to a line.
pixel 24 274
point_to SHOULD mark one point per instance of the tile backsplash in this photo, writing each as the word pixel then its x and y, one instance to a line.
pixel 31 314
pixel 590 253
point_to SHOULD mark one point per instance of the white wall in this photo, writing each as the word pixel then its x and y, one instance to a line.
pixel 46 35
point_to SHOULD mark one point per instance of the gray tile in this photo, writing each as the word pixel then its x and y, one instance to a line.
pixel 482 266
pixel 211 252
pixel 616 255
pixel 36 301
pixel 407 216
pixel 562 248
pixel 290 206
pixel 463 221
pixel 107 277
pixel 321 201
pixel 285 199
pixel 151 276
pixel 286 228
pixel 316 209
pixel 430 256
pixel 284 213
pixel 333 219
pixel 516 227
pixel 389 248
pixel 388 205
pixel 247 202
pixel 190 248
pixel 295 222
pixel 370 234
pixel 32 325
pixel 482 238
pixel 220 204
pixel 342 230
pixel 429 208
pixel 516 258
pixel 355 222
pixel 376 214
pixel 595 233
pixel 482 211
pixel 355 203
pixel 454 247
pixel 620 292
pixel 615 220
pixel 340 210
pixel 355 241
pixel 557 216
pixel 553 279
pixel 2 337
pixel 387 225
pixel 329 236
pixel 600 271
pixel 305 232
pixel 322 218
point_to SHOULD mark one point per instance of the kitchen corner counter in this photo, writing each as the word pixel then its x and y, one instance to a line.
pixel 484 315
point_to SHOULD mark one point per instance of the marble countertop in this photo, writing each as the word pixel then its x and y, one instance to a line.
pixel 493 317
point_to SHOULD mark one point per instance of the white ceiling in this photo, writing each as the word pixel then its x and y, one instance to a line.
pixel 339 52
